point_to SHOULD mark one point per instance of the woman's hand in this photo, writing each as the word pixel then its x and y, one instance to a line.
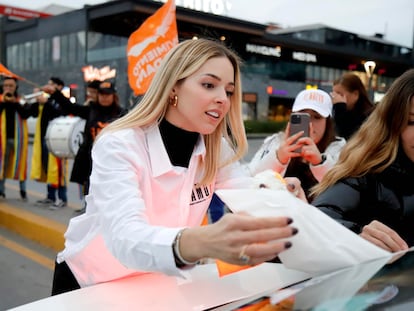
pixel 50 89
pixel 288 147
pixel 238 239
pixel 337 98
pixel 383 236
pixel 293 185
pixel 310 152
pixel 41 99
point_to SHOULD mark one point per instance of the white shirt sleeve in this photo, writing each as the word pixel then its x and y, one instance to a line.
pixel 265 158
pixel 119 196
pixel 332 154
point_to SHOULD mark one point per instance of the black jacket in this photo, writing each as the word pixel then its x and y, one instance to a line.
pixel 97 117
pixel 387 197
pixel 347 122
pixel 51 110
pixel 12 108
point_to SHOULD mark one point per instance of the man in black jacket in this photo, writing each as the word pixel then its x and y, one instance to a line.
pixel 49 109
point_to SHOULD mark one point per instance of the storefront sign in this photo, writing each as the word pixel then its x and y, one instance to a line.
pixel 250 97
pixel 92 73
pixel 217 7
pixel 275 51
pixel 304 57
pixel 21 14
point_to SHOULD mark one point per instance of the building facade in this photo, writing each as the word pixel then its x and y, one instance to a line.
pixel 277 63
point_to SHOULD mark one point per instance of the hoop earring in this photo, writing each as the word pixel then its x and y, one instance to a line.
pixel 174 101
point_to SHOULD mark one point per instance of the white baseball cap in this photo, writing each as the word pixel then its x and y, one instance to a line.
pixel 317 100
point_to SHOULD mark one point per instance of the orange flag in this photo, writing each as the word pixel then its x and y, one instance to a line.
pixel 5 72
pixel 148 45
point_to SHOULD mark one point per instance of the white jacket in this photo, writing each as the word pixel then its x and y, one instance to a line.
pixel 265 157
pixel 138 202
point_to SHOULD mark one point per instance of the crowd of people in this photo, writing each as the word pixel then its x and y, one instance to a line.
pixel 98 113
pixel 150 173
pixel 47 166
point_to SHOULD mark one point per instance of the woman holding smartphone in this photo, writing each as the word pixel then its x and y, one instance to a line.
pixel 294 154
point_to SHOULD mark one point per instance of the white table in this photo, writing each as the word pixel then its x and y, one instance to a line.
pixel 204 289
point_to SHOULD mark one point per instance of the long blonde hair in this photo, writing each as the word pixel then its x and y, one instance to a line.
pixel 182 61
pixel 375 145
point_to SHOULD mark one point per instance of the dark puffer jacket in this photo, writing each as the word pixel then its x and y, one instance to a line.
pixel 387 197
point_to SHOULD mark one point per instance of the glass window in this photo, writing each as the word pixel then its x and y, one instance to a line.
pixel 324 74
pixel 56 53
pixel 105 47
pixel 48 52
pixel 20 57
pixel 80 42
pixel 72 49
pixel 42 52
pixel 12 56
pixel 64 50
pixel 275 69
pixel 317 73
pixel 35 55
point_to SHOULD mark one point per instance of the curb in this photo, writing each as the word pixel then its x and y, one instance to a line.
pixel 258 135
pixel 42 230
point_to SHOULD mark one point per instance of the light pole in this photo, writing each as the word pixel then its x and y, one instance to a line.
pixel 369 69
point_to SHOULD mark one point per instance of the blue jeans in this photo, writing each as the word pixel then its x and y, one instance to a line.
pixel 61 192
pixel 22 185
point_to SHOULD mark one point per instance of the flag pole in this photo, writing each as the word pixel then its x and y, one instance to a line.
pixel 31 83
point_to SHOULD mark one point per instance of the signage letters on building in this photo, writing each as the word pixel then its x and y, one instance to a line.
pixel 304 57
pixel 92 73
pixel 19 13
pixel 275 51
pixel 217 7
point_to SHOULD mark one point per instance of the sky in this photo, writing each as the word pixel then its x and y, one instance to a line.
pixel 392 18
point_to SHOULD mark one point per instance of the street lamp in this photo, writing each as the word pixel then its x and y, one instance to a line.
pixel 369 69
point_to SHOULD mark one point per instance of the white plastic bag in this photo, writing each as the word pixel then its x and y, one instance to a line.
pixel 321 245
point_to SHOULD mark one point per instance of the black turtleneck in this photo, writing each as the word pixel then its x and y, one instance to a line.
pixel 178 142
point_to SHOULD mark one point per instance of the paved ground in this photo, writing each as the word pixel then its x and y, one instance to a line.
pixel 38 224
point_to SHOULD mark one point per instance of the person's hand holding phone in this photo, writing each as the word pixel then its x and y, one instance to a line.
pixel 298 141
pixel 289 146
pixel 310 152
pixel 299 122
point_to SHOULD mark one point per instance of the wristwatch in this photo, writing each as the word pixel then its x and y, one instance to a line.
pixel 323 159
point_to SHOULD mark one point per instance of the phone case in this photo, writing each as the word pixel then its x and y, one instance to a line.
pixel 299 121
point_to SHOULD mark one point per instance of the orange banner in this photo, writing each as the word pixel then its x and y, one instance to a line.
pixel 148 45
pixel 5 72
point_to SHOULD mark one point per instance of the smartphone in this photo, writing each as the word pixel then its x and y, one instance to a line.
pixel 299 121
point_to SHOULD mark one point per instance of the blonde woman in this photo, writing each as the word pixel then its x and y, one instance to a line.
pixel 154 173
pixel 370 190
